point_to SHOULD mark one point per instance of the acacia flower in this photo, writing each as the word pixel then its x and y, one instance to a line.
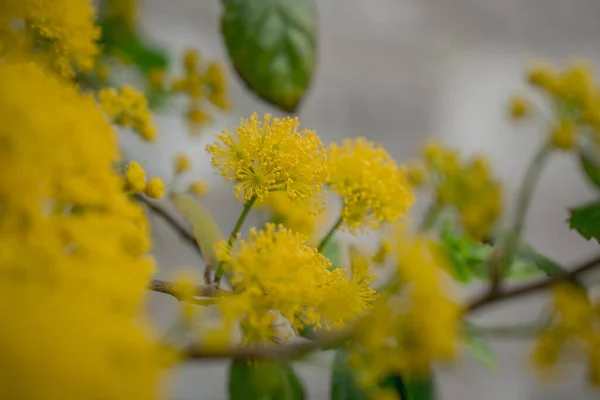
pixel 135 177
pixel 128 107
pixel 273 155
pixel 275 271
pixel 373 187
pixel 155 188
pixel 408 330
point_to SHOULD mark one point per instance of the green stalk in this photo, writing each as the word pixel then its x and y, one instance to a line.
pixel 523 200
pixel 430 217
pixel 236 229
pixel 329 235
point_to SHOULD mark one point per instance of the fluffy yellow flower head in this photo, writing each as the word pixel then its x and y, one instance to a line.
pixel 373 187
pixel 135 177
pixel 60 32
pixel 275 271
pixel 128 107
pixel 467 186
pixel 407 331
pixel 77 244
pixel 155 188
pixel 273 155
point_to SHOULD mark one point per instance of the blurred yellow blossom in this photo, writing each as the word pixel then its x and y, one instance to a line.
pixel 198 188
pixel 519 107
pixel 408 330
pixel 275 271
pixel 467 186
pixel 573 329
pixel 71 321
pixel 563 135
pixel 202 83
pixel 61 33
pixel 417 174
pixel 128 107
pixel 135 177
pixel 156 78
pixel 155 188
pixel 182 163
pixel 269 156
pixel 374 189
pixel 575 95
pixel 126 11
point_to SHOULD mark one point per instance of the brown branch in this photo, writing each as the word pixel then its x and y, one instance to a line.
pixel 274 353
pixel 170 288
pixel 183 232
pixel 492 297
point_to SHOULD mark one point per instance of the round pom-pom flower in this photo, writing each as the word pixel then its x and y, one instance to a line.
pixel 269 156
pixel 373 187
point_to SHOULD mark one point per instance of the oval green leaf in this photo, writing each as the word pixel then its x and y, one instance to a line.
pixel 345 387
pixel 272 45
pixel 263 380
pixel 586 220
pixel 206 230
pixel 591 168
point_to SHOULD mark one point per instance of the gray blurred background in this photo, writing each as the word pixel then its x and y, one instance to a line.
pixel 396 72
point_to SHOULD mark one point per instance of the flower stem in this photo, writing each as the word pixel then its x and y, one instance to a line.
pixel 329 235
pixel 236 229
pixel 522 206
pixel 430 217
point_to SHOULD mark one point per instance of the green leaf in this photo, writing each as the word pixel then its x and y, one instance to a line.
pixel 343 382
pixel 272 45
pixel 479 346
pixel 122 41
pixel 421 389
pixel 333 251
pixel 586 220
pixel 468 258
pixel 205 228
pixel 591 168
pixel 345 387
pixel 263 380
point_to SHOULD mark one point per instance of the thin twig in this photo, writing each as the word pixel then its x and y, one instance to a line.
pixel 183 232
pixel 170 288
pixel 492 298
pixel 273 353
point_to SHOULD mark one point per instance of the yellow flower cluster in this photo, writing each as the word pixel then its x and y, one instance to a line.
pixel 60 33
pixel 275 273
pixel 576 97
pixel 73 249
pixel 135 179
pixel 468 186
pixel 271 156
pixel 372 186
pixel 128 107
pixel 408 330
pixel 298 216
pixel 574 328
pixel 201 82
